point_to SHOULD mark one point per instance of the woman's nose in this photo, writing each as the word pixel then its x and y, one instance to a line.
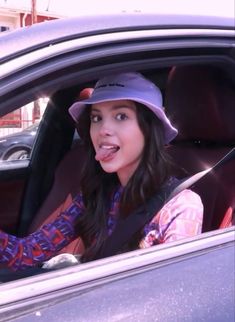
pixel 106 128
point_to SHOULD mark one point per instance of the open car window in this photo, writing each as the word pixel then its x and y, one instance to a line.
pixel 18 130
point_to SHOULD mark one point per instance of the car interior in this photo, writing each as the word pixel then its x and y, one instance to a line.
pixel 206 133
pixel 199 100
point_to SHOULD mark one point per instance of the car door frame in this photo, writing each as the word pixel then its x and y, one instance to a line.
pixel 44 291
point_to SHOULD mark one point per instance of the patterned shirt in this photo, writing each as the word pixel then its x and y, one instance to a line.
pixel 181 217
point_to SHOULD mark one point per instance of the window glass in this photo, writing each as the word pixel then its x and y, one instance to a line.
pixel 18 130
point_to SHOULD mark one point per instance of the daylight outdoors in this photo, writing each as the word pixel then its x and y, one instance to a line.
pixel 117 158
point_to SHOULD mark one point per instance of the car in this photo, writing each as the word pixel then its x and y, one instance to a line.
pixel 17 146
pixel 189 52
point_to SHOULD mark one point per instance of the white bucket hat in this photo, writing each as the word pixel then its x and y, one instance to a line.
pixel 129 86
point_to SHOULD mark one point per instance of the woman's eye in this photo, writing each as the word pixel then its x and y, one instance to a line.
pixel 121 116
pixel 95 118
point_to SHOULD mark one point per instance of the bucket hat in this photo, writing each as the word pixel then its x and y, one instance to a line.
pixel 128 86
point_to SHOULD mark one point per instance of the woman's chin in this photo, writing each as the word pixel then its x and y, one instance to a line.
pixel 109 166
pixel 108 169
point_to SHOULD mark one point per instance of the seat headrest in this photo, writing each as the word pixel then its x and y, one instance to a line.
pixel 200 101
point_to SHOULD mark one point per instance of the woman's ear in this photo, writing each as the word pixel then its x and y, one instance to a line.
pixel 85 93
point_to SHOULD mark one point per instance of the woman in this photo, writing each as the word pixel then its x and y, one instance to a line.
pixel 125 130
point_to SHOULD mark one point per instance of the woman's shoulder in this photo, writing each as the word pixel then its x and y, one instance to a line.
pixel 180 217
pixel 186 203
pixel 186 196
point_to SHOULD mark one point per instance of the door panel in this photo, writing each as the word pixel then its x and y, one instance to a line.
pixel 12 183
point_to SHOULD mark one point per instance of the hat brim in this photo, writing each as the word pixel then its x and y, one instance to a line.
pixel 170 132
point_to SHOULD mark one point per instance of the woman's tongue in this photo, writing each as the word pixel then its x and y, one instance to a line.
pixel 104 153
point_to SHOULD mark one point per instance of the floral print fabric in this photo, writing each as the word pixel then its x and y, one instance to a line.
pixel 181 217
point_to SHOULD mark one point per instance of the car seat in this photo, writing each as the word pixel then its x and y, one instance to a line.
pixel 199 100
pixel 64 189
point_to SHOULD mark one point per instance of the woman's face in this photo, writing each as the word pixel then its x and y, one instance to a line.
pixel 117 138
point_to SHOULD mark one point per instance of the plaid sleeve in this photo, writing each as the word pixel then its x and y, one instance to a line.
pixel 181 217
pixel 20 253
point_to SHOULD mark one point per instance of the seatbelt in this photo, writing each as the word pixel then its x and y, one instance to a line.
pixel 199 175
pixel 127 227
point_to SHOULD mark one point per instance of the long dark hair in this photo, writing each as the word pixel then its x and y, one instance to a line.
pixel 97 186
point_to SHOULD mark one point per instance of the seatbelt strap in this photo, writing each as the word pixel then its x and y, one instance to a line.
pixel 127 227
pixel 199 175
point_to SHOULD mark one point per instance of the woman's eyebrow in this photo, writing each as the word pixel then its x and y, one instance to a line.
pixel 95 109
pixel 116 107
pixel 113 108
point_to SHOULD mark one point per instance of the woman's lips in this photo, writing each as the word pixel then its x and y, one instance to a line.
pixel 105 152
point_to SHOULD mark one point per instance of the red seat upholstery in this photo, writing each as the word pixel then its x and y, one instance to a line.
pixel 200 102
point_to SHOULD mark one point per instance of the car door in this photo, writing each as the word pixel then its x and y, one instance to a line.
pixel 179 281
